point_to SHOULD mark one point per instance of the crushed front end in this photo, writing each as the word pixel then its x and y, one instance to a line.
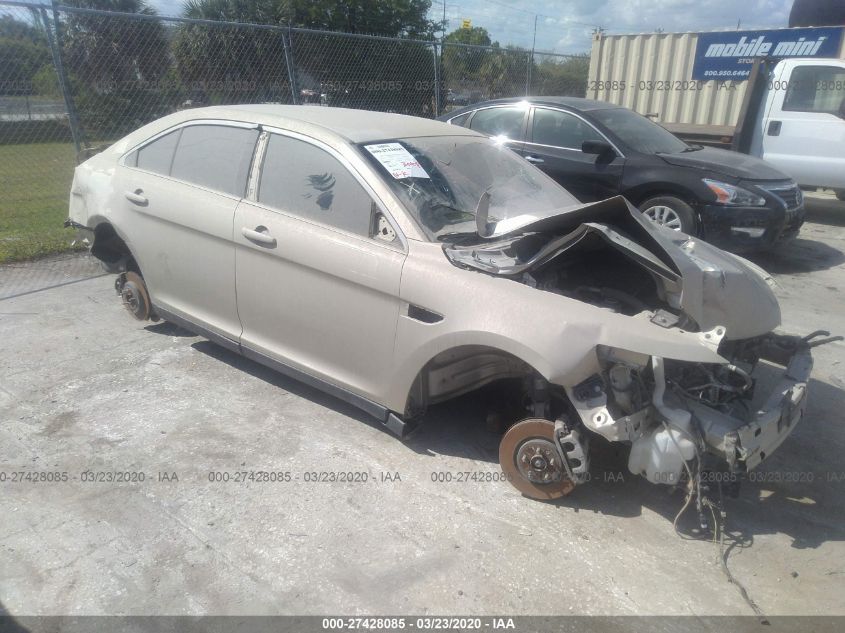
pixel 681 416
pixel 693 376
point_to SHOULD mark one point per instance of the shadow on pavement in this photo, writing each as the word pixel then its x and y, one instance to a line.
pixel 799 256
pixel 825 210
pixel 796 492
pixel 168 329
pixel 9 624
pixel 282 382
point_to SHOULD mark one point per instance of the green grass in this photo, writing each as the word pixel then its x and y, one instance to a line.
pixel 34 190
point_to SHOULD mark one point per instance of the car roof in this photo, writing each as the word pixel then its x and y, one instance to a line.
pixel 357 126
pixel 574 103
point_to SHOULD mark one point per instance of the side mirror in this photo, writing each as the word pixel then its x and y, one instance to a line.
pixel 597 147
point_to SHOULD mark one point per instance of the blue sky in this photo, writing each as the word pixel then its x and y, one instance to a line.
pixel 564 26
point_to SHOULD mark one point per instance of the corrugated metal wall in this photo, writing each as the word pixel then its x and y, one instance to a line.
pixel 655 69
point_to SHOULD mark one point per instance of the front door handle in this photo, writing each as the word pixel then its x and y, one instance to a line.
pixel 534 159
pixel 774 128
pixel 136 197
pixel 259 235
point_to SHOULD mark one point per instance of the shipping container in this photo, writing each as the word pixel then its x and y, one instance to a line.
pixel 653 73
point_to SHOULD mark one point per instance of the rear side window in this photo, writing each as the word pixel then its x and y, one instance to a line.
pixel 499 122
pixel 158 155
pixel 304 180
pixel 816 89
pixel 215 156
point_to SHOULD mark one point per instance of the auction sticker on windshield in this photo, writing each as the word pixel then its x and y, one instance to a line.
pixel 397 160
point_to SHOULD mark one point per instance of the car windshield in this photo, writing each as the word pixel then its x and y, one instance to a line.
pixel 441 180
pixel 638 132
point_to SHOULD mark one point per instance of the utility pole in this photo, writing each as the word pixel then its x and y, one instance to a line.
pixel 438 68
pixel 531 59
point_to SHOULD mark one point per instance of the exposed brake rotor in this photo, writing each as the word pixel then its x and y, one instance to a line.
pixel 531 461
pixel 134 295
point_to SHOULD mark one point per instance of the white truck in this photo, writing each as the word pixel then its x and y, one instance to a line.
pixel 793 116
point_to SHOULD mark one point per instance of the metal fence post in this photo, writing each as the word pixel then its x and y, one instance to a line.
pixel 437 58
pixel 287 44
pixel 528 74
pixel 55 43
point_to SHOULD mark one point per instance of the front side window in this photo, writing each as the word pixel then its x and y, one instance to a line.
pixel 816 89
pixel 499 122
pixel 304 180
pixel 559 129
pixel 639 133
pixel 217 157
pixel 441 179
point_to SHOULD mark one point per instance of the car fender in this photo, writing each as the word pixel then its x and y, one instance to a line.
pixel 555 335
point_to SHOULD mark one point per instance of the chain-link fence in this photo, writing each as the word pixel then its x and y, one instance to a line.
pixel 74 78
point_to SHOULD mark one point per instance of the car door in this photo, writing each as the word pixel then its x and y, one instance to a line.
pixel 554 144
pixel 505 123
pixel 804 132
pixel 181 190
pixel 316 289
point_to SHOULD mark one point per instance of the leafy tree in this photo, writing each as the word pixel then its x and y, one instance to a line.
pixel 462 63
pixel 477 36
pixel 20 30
pixel 45 83
pixel 504 72
pixel 232 64
pixel 485 69
pixel 23 51
pixel 21 59
pixel 560 76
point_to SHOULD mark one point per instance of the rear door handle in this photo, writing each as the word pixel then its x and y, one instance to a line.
pixel 774 128
pixel 259 235
pixel 135 197
pixel 534 159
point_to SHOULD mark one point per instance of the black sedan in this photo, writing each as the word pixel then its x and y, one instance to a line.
pixel 597 150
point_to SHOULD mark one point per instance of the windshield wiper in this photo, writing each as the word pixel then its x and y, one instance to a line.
pixel 692 148
pixel 445 236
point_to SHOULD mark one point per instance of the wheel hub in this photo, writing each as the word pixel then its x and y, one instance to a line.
pixel 537 461
pixel 530 460
pixel 133 294
pixel 130 298
pixel 664 216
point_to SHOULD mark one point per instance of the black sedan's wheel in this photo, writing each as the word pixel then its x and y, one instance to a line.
pixel 671 212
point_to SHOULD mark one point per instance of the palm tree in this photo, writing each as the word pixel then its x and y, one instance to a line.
pixel 116 63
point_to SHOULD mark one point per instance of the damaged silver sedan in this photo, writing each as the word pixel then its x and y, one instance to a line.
pixel 398 262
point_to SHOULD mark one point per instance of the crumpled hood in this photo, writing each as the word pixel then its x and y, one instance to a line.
pixel 731 165
pixel 711 286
